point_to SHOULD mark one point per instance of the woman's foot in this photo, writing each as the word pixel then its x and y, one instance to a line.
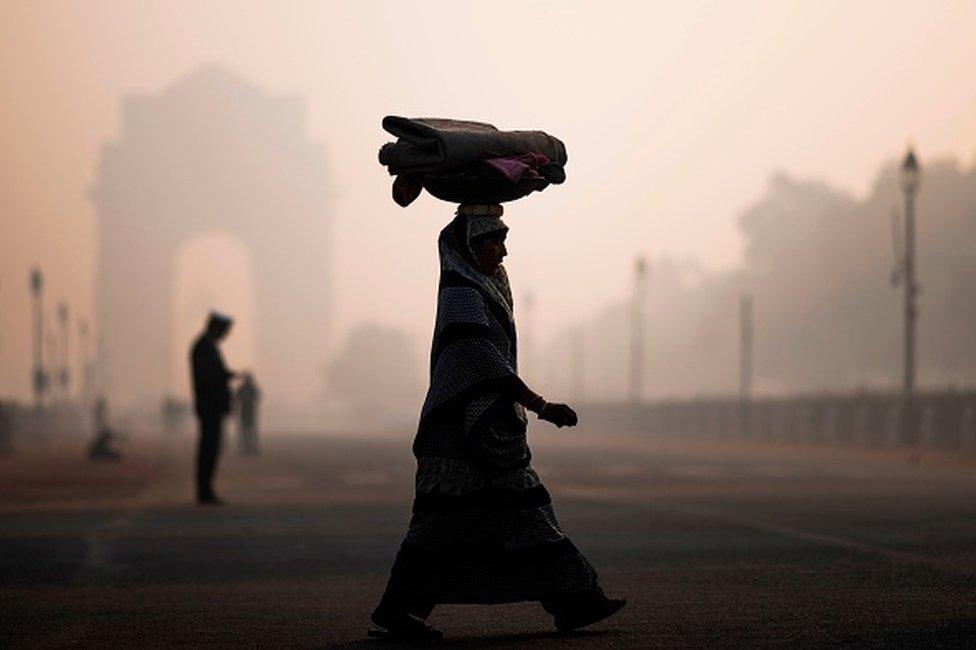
pixel 401 626
pixel 591 613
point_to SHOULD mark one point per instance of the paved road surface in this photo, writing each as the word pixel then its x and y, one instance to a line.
pixel 713 545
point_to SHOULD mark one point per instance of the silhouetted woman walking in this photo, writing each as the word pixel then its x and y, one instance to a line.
pixel 483 528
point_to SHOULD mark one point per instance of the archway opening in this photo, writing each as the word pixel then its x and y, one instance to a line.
pixel 212 271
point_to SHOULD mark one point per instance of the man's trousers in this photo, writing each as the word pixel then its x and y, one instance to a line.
pixel 210 434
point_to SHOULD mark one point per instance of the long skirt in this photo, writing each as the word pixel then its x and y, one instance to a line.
pixel 478 537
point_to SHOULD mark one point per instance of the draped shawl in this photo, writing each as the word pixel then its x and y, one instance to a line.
pixel 470 412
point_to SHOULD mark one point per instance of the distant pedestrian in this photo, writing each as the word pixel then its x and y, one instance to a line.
pixel 104 444
pixel 103 447
pixel 483 528
pixel 174 412
pixel 100 413
pixel 247 396
pixel 6 443
pixel 211 395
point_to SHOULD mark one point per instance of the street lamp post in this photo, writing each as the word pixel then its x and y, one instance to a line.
pixel 909 186
pixel 637 332
pixel 577 363
pixel 39 378
pixel 84 361
pixel 51 372
pixel 745 348
pixel 528 355
pixel 64 360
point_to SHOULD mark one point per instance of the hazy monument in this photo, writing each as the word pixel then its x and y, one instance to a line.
pixel 211 154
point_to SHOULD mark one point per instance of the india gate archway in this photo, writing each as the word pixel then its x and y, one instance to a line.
pixel 212 153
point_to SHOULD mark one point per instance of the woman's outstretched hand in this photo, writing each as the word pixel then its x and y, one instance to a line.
pixel 559 414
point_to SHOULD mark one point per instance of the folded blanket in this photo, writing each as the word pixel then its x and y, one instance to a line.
pixel 441 145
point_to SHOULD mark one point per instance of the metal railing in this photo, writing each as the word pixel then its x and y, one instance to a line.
pixel 940 419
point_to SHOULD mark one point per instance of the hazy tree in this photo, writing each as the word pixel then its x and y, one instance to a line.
pixel 377 368
pixel 818 264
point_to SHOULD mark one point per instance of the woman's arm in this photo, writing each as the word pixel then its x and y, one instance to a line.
pixel 559 414
pixel 529 399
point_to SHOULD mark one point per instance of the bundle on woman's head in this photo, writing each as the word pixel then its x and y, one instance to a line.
pixel 471 163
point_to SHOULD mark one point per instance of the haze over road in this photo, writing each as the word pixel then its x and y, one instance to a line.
pixel 720 544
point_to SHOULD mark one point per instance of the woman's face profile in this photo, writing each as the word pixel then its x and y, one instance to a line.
pixel 490 251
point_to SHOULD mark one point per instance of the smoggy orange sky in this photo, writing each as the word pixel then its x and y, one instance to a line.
pixel 674 114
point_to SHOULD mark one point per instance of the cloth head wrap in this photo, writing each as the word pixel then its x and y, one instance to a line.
pixel 481 220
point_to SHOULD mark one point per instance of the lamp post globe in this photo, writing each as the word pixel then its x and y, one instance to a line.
pixel 909 173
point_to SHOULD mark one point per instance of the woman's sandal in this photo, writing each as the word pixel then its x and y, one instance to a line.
pixel 402 627
pixel 592 614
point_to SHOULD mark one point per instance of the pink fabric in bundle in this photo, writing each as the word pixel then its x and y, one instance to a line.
pixel 515 168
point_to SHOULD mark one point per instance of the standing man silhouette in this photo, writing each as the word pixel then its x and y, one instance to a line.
pixel 211 395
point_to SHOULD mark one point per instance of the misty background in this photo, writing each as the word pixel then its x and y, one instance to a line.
pixel 818 264
pixel 742 148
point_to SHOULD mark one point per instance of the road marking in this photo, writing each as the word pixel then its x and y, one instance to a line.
pixel 98 566
pixel 904 558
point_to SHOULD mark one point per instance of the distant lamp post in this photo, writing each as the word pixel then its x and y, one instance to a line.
pixel 51 370
pixel 63 361
pixel 577 364
pixel 528 336
pixel 39 377
pixel 84 360
pixel 745 348
pixel 910 180
pixel 638 331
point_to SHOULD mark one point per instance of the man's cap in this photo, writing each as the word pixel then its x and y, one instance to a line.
pixel 218 318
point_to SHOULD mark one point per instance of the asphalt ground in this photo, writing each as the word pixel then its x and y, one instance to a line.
pixel 720 544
